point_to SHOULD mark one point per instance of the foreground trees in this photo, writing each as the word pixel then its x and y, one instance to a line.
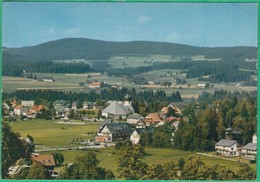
pixel 86 167
pixel 13 148
pixel 132 167
pixel 130 164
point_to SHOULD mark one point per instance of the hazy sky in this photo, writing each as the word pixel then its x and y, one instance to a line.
pixel 199 24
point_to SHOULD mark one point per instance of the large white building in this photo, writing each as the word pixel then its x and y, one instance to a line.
pixel 227 147
pixel 116 110
pixel 250 150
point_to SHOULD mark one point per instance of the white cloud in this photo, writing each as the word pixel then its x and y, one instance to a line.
pixel 173 37
pixel 51 30
pixel 72 31
pixel 143 19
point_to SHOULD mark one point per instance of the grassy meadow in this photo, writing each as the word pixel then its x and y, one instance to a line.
pixel 107 158
pixel 51 134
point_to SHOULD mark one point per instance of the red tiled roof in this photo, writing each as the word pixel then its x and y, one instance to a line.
pixel 18 107
pixel 38 108
pixel 171 118
pixel 46 160
pixel 153 118
pixel 95 84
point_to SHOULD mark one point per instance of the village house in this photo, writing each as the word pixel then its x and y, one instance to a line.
pixel 135 136
pixel 61 108
pixel 74 105
pixel 177 111
pixel 134 118
pixel 140 124
pixel 88 105
pixel 249 151
pixel 47 79
pixel 18 110
pixel 46 160
pixel 95 85
pixel 201 85
pixel 114 132
pixel 26 103
pixel 153 119
pixel 5 106
pixel 27 108
pixel 227 147
pixel 116 110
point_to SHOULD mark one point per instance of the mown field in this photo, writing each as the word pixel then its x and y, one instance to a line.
pixel 107 157
pixel 51 134
pixel 70 82
pixel 136 61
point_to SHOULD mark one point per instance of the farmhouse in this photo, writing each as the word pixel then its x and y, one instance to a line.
pixel 140 124
pixel 116 110
pixel 134 118
pixel 87 105
pixel 152 119
pixel 26 103
pixel 227 147
pixel 74 105
pixel 201 85
pixel 249 151
pixel 18 110
pixel 46 160
pixel 136 135
pixel 95 85
pixel 164 110
pixel 114 132
pixel 27 109
pixel 47 79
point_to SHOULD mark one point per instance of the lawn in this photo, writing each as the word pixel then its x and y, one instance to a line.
pixel 53 135
pixel 107 158
pixel 50 134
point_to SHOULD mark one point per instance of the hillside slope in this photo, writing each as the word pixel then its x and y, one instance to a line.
pixel 82 48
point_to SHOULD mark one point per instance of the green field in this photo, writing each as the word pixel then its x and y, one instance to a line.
pixel 50 134
pixel 54 135
pixel 136 61
pixel 107 158
pixel 67 82
pixel 70 82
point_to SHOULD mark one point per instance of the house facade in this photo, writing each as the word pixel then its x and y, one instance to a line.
pixel 135 136
pixel 153 119
pixel 249 151
pixel 227 147
pixel 116 110
pixel 114 132
pixel 95 85
pixel 134 118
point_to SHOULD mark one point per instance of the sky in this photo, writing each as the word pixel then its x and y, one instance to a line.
pixel 198 24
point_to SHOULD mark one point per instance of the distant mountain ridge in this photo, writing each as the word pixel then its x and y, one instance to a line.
pixel 83 48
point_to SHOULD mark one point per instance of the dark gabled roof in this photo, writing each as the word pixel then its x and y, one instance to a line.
pixel 250 146
pixel 226 143
pixel 115 128
pixel 134 116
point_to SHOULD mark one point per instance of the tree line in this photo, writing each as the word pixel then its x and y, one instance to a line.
pixel 131 166
pixel 225 70
pixel 140 100
pixel 43 67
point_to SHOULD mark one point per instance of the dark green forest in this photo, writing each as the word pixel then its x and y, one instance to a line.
pixel 81 48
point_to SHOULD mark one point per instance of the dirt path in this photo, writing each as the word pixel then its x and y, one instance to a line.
pixel 218 157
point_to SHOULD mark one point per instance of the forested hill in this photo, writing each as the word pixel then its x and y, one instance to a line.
pixel 81 48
